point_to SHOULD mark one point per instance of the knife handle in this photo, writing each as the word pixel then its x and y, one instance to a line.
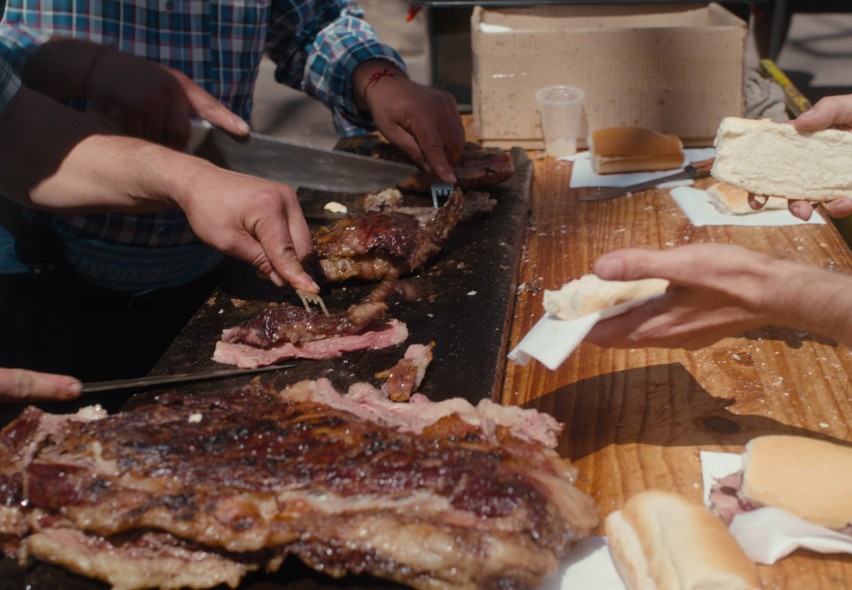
pixel 701 169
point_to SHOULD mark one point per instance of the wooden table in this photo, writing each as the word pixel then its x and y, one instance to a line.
pixel 637 419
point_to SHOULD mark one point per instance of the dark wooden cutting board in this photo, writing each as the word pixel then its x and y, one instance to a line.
pixel 465 310
pixel 467 295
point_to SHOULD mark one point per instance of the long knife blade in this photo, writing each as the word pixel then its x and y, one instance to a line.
pixel 298 165
pixel 152 380
pixel 694 170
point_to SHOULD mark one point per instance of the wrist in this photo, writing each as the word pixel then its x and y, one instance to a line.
pixel 369 75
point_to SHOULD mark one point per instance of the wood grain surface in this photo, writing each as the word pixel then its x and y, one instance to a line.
pixel 637 419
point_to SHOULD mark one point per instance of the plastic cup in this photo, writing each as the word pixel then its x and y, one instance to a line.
pixel 560 108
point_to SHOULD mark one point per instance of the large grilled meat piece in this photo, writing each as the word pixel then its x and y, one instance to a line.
pixel 478 167
pixel 196 491
pixel 378 245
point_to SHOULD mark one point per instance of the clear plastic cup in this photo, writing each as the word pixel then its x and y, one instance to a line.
pixel 560 108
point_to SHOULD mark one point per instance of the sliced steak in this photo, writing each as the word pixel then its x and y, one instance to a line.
pixel 430 494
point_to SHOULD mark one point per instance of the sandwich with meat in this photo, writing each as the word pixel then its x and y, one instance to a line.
pixel 803 476
pixel 773 159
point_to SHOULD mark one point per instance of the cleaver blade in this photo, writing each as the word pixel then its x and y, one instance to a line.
pixel 294 164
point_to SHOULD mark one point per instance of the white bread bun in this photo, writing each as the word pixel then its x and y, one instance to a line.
pixel 803 476
pixel 662 541
pixel 773 159
pixel 589 294
pixel 633 149
pixel 731 200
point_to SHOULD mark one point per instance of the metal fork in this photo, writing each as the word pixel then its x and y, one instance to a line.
pixel 309 299
pixel 440 190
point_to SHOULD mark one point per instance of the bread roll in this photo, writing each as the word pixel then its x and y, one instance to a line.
pixel 734 201
pixel 633 149
pixel 662 541
pixel 809 478
pixel 773 159
pixel 589 294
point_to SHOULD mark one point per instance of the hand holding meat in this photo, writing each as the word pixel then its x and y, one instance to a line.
pixel 252 219
pixel 153 101
pixel 18 385
pixel 721 290
pixel 424 122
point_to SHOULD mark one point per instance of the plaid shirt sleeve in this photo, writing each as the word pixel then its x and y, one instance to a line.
pixel 19 42
pixel 9 85
pixel 317 46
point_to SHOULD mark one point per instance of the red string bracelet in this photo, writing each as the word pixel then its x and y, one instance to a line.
pixel 376 76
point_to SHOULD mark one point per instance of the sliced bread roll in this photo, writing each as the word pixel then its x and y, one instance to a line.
pixel 633 149
pixel 773 159
pixel 589 294
pixel 731 200
pixel 662 541
pixel 804 476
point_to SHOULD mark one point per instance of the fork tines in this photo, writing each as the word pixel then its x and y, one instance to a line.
pixel 309 299
pixel 440 190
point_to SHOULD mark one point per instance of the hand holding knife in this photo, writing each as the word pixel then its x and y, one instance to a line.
pixel 691 171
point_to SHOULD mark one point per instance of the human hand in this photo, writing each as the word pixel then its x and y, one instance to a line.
pixel 20 385
pixel 829 112
pixel 422 121
pixel 255 220
pixel 152 101
pixel 716 290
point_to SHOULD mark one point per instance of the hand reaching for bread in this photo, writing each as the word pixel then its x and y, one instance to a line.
pixel 832 112
pixel 719 290
pixel 805 162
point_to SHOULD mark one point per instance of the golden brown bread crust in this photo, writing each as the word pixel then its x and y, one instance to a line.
pixel 662 541
pixel 809 478
pixel 633 149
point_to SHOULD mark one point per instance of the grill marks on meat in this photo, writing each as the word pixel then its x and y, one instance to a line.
pixel 477 168
pixel 385 244
pixel 466 500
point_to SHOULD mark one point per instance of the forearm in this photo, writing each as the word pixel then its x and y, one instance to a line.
pixel 57 159
pixel 812 299
pixel 60 67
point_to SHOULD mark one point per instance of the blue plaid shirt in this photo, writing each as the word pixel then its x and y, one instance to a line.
pixel 316 46
pixel 9 85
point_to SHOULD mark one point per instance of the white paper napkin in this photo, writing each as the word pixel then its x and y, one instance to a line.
pixel 700 210
pixel 768 534
pixel 582 175
pixel 551 340
pixel 589 566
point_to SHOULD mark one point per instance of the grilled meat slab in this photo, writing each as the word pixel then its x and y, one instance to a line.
pixel 384 244
pixel 477 168
pixel 434 495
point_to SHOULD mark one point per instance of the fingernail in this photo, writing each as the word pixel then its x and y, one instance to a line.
pixel 276 279
pixel 74 389
pixel 243 127
pixel 315 287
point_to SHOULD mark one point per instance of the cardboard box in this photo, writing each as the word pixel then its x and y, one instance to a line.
pixel 675 68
